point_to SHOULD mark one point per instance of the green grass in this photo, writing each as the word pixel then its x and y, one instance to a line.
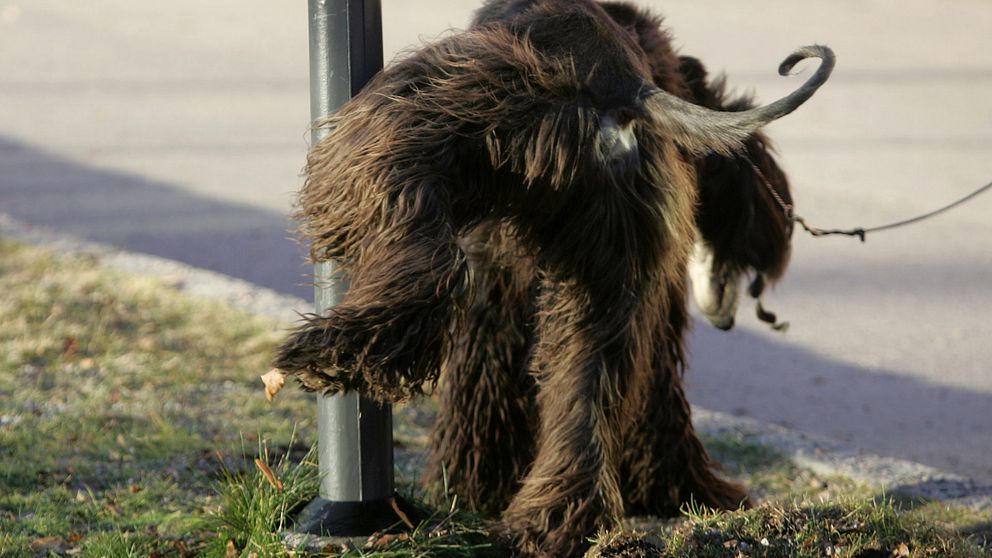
pixel 117 397
pixel 844 527
pixel 773 476
pixel 255 506
pixel 848 527
pixel 131 417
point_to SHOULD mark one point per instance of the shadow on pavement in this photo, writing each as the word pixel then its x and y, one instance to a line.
pixel 765 377
pixel 142 215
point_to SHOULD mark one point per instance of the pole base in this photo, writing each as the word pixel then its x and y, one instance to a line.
pixel 347 519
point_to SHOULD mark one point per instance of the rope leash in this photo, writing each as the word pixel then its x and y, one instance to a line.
pixel 859 232
pixel 757 286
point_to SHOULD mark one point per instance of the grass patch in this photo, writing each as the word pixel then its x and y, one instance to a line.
pixel 122 403
pixel 847 527
pixel 771 476
pixel 126 409
pixel 255 506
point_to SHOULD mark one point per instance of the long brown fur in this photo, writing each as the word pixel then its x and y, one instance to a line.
pixel 479 424
pixel 510 197
pixel 483 437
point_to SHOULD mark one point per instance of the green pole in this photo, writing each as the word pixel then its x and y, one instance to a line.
pixel 355 438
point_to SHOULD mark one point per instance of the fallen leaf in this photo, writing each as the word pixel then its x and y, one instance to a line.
pixel 46 542
pixel 901 551
pixel 274 380
pixel 70 347
pixel 75 538
pixel 386 540
pixel 231 551
pixel 133 488
pixel 340 548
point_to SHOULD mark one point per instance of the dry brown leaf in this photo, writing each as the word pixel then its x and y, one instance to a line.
pixel 269 475
pixel 70 347
pixel 274 380
pixel 383 541
pixel 901 551
pixel 231 551
pixel 46 542
pixel 75 538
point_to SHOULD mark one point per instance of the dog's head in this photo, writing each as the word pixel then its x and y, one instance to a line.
pixel 743 228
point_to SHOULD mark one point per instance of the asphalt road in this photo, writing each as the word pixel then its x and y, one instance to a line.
pixel 179 129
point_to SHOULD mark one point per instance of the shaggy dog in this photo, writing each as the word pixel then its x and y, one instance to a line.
pixel 485 434
pixel 527 179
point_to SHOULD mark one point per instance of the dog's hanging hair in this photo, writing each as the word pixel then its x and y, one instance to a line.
pixel 755 290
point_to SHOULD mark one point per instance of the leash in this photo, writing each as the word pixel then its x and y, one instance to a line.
pixel 859 232
pixel 757 286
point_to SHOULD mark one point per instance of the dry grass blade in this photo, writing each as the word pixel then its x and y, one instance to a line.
pixel 269 475
pixel 401 514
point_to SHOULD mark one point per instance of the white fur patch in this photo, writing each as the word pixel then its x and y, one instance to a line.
pixel 715 290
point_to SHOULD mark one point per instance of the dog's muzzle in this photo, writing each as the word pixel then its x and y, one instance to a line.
pixel 715 287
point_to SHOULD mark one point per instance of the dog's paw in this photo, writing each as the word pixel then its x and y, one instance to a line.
pixel 386 360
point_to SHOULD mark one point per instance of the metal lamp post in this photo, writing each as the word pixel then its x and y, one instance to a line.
pixel 355 434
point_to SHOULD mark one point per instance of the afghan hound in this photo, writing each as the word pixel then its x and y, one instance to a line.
pixel 518 201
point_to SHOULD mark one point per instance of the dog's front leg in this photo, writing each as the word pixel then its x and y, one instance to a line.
pixel 664 464
pixel 572 488
pixel 483 437
pixel 387 336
